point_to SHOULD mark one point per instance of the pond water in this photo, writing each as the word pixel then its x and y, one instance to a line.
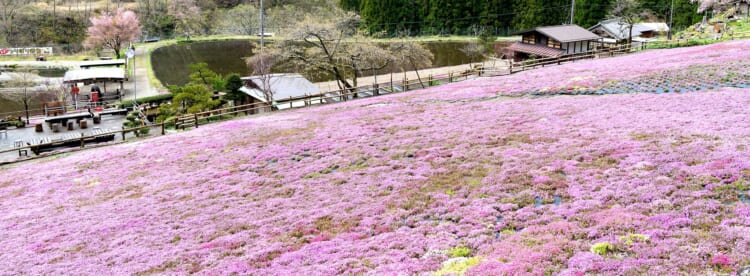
pixel 14 108
pixel 224 57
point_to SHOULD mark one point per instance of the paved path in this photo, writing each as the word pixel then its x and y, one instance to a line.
pixel 411 75
pixel 142 83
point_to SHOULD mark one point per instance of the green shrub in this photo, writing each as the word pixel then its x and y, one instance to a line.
pixel 631 238
pixel 461 251
pixel 458 266
pixel 151 99
pixel 602 248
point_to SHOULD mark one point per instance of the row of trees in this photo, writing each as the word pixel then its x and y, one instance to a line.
pixel 64 22
pixel 498 16
pixel 334 47
pixel 26 22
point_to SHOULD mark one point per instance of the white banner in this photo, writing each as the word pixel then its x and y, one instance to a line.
pixel 26 51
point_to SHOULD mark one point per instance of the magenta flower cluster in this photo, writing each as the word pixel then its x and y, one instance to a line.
pixel 631 184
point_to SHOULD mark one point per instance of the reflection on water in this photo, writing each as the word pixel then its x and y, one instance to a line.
pixel 224 57
pixel 15 108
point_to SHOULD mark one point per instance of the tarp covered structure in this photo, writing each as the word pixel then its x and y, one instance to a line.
pixel 88 76
pixel 283 86
pixel 102 63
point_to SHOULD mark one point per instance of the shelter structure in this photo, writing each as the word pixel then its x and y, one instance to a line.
pixel 287 89
pixel 615 31
pixel 103 63
pixel 552 42
pixel 96 75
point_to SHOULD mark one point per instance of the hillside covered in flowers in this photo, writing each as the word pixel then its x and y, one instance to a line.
pixel 584 168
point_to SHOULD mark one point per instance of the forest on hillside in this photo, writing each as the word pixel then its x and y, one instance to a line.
pixel 499 17
pixel 63 22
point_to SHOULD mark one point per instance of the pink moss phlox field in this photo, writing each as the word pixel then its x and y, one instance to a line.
pixel 689 69
pixel 630 184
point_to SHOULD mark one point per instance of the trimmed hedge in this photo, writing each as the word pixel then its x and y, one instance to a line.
pixel 150 99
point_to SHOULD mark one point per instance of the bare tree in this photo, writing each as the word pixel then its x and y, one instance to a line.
pixel 187 16
pixel 242 19
pixel 262 64
pixel 366 56
pixel 9 10
pixel 322 48
pixel 412 54
pixel 628 12
pixel 474 51
pixel 23 79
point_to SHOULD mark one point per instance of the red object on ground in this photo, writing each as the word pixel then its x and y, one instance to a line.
pixel 98 109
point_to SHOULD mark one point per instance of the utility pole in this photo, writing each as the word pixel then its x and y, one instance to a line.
pixel 572 10
pixel 671 14
pixel 262 26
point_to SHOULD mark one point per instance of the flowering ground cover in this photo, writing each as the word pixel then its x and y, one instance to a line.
pixel 451 179
pixel 678 70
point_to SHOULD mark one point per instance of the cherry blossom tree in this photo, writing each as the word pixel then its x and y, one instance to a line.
pixel 112 31
pixel 708 4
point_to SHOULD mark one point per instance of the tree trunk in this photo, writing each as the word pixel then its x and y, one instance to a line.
pixel 354 82
pixel 342 80
pixel 416 70
pixel 630 37
pixel 26 104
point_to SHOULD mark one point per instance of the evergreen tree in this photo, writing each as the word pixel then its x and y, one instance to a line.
pixel 498 15
pixel 589 12
pixel 350 5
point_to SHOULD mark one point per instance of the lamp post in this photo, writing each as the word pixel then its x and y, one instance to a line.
pixel 131 55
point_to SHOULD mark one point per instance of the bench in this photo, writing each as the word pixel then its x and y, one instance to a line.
pixel 114 112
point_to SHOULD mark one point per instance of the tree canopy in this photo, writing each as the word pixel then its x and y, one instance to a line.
pixel 113 31
pixel 499 17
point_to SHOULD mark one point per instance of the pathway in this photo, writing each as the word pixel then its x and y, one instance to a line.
pixel 411 75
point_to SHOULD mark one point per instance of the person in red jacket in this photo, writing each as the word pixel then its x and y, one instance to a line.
pixel 74 90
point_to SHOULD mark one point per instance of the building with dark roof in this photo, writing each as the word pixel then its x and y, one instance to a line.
pixel 551 42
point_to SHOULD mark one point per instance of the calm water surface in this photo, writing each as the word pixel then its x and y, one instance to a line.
pixel 225 57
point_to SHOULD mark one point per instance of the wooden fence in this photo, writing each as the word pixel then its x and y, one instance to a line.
pixel 384 88
pixel 335 96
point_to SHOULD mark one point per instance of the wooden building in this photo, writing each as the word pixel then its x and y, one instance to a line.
pixel 552 41
pixel 288 90
pixel 615 31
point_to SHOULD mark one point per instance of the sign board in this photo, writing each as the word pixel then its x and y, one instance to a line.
pixel 26 51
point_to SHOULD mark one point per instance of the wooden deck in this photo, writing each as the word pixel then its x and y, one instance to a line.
pixel 45 144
